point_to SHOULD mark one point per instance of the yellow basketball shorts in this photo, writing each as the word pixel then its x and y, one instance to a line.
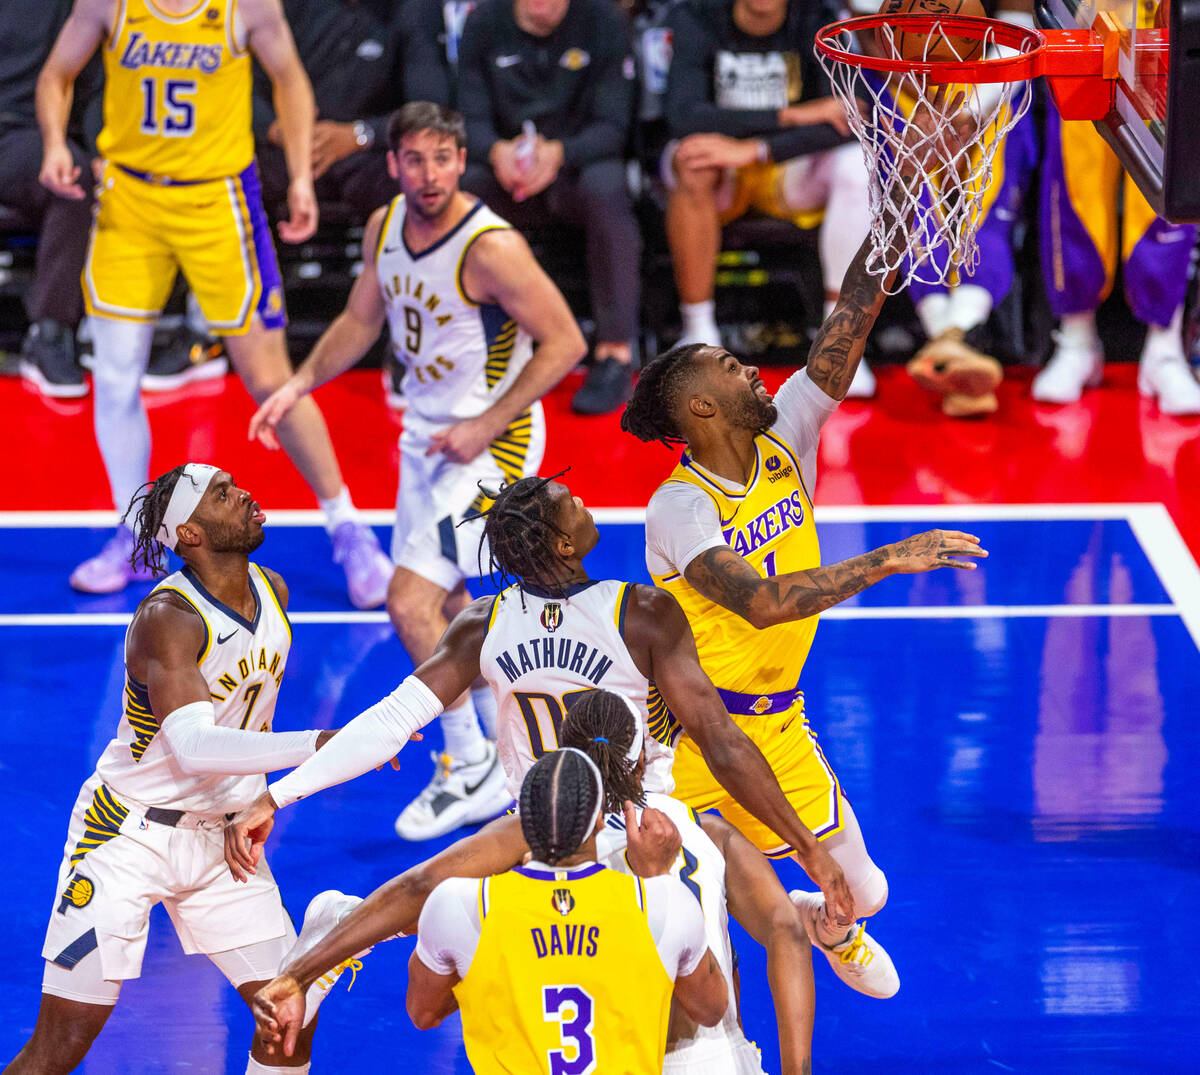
pixel 215 231
pixel 790 747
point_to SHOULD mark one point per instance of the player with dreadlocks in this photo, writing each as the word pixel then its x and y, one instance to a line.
pixel 501 948
pixel 730 534
pixel 205 650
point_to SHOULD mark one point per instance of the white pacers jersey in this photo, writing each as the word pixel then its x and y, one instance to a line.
pixel 460 355
pixel 242 662
pixel 542 652
pixel 701 867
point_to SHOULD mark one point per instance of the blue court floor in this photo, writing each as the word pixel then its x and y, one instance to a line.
pixel 1019 743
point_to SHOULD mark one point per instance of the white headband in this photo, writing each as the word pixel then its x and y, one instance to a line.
pixel 599 787
pixel 185 498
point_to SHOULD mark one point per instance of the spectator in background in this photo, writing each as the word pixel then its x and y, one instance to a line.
pixel 754 125
pixel 1081 181
pixel 433 30
pixel 547 91
pixel 55 302
pixel 352 52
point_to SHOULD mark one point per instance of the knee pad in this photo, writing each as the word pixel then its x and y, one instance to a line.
pixel 870 894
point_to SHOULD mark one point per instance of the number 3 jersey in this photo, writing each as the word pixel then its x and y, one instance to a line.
pixel 242 661
pixel 460 355
pixel 542 652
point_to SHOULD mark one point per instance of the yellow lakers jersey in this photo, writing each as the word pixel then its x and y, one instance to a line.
pixel 566 976
pixel 770 524
pixel 177 92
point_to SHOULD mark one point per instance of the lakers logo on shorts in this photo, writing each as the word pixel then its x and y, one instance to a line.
pixel 78 893
pixel 562 901
pixel 762 705
pixel 551 616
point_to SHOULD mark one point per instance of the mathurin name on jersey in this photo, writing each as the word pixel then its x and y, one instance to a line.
pixel 577 657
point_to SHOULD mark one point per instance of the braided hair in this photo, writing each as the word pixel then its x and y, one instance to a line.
pixel 652 410
pixel 520 532
pixel 148 506
pixel 601 724
pixel 560 802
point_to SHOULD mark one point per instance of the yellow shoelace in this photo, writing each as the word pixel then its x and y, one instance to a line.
pixel 857 946
pixel 327 980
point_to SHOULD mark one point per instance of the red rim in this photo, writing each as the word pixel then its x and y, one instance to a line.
pixel 1017 68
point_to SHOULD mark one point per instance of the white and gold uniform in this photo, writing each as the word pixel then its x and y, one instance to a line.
pixel 460 356
pixel 543 651
pixel 144 832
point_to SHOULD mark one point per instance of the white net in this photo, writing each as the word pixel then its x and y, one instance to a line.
pixel 929 151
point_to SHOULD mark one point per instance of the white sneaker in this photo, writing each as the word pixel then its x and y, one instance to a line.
pixel 1071 369
pixel 1170 379
pixel 863 385
pixel 459 794
pixel 325 910
pixel 859 960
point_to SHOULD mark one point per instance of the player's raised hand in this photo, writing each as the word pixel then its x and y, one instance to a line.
pixel 934 549
pixel 273 411
pixel 60 173
pixel 463 441
pixel 827 875
pixel 279 1014
pixel 653 844
pixel 245 836
pixel 302 212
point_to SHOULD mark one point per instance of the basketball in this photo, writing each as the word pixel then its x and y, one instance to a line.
pixel 936 46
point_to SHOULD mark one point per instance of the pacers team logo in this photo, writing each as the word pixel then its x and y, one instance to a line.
pixel 551 616
pixel 78 893
pixel 562 901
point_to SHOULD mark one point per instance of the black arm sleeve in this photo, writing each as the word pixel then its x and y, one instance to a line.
pixel 606 131
pixel 788 142
pixel 474 95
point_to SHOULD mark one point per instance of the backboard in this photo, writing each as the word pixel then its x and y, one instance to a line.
pixel 1154 125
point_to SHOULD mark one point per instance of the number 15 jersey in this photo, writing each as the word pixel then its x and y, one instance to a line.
pixel 542 652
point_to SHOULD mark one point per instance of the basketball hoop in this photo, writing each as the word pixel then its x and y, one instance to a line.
pixel 930 125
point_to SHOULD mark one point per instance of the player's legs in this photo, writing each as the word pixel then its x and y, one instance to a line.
pixel 61 1038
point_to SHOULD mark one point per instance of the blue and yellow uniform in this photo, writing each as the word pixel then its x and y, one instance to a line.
pixel 566 976
pixel 180 189
pixel 769 522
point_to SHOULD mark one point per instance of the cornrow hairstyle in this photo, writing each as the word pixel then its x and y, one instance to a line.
pixel 601 725
pixel 520 532
pixel 560 801
pixel 651 411
pixel 148 506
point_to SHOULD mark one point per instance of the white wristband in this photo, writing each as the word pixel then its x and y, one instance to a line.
pixel 371 739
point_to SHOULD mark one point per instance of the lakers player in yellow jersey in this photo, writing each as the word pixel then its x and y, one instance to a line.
pixel 561 965
pixel 204 657
pixel 179 190
pixel 730 534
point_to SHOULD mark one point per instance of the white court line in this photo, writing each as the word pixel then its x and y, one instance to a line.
pixel 1171 559
pixel 881 513
pixel 841 612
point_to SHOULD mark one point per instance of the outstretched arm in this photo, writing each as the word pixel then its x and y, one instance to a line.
pixel 734 583
pixel 655 624
pixel 761 906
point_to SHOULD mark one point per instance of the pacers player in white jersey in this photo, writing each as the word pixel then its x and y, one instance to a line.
pixel 204 657
pixel 180 192
pixel 463 297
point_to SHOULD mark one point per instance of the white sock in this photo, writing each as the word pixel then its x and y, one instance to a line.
pixel 121 352
pixel 970 305
pixel 700 319
pixel 1164 341
pixel 933 311
pixel 196 320
pixel 338 509
pixel 484 702
pixel 255 1068
pixel 1078 330
pixel 464 740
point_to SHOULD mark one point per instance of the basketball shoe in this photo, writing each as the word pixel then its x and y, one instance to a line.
pixel 368 570
pixel 460 793
pixel 1169 379
pixel 859 960
pixel 1074 366
pixel 110 571
pixel 325 910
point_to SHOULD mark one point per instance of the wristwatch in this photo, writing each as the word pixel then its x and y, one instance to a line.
pixel 363 134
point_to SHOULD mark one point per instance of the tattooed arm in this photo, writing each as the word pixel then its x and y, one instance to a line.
pixel 734 583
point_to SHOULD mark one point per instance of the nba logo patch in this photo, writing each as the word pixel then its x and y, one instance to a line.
pixel 773 462
pixel 551 616
pixel 562 901
pixel 79 893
